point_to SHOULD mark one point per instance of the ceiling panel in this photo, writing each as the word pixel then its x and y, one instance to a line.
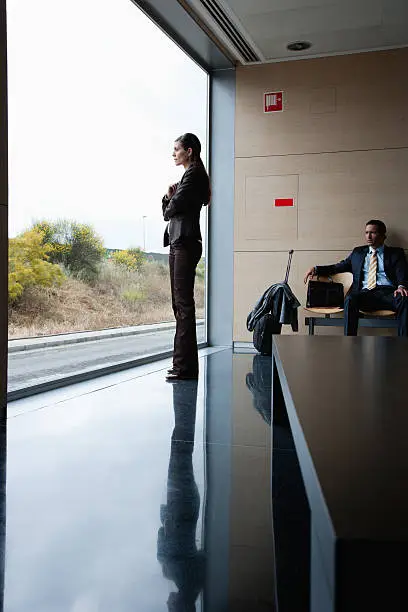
pixel 331 26
pixel 307 22
pixel 243 7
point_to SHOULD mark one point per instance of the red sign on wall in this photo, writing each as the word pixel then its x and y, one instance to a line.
pixel 273 102
pixel 284 202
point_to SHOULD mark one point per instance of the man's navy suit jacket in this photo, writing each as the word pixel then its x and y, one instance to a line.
pixel 395 266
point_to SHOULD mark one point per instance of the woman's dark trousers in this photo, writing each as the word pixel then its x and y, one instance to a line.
pixel 183 259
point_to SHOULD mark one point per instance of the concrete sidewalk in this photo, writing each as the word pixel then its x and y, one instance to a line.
pixel 26 344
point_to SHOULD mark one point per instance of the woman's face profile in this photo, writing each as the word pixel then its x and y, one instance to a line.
pixel 180 155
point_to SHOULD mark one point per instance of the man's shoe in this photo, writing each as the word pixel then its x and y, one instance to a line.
pixel 175 376
pixel 171 371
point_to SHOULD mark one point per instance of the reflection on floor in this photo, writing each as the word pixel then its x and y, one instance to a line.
pixel 131 494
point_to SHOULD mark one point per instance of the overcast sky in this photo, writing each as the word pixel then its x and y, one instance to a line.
pixel 97 94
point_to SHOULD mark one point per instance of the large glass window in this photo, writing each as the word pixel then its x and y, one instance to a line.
pixel 97 96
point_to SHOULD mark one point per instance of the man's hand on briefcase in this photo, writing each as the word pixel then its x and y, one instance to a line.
pixel 310 274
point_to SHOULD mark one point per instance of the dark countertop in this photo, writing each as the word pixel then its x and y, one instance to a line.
pixel 350 396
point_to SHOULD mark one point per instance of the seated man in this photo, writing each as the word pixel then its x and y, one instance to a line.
pixel 380 279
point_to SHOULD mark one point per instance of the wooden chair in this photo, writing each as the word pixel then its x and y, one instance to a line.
pixel 390 314
pixel 347 279
pixel 368 318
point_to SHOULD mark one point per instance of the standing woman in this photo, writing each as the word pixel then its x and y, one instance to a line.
pixel 181 208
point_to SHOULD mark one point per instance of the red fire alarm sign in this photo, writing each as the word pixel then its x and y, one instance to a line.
pixel 284 202
pixel 273 102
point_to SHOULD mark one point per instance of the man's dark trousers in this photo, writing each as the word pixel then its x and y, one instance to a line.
pixel 380 298
pixel 183 259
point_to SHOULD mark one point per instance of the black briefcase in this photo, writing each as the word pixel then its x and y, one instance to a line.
pixel 324 294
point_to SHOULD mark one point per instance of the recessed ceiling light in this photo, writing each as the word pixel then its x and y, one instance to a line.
pixel 299 45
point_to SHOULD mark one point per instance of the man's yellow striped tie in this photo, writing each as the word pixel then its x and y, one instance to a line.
pixel 372 271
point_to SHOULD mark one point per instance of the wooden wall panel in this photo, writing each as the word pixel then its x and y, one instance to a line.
pixel 261 220
pixel 337 194
pixel 344 103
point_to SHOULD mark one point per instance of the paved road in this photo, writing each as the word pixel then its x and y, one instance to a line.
pixel 37 366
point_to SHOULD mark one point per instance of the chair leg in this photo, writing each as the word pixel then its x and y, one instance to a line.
pixel 311 326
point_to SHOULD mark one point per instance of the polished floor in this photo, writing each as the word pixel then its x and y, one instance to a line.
pixel 130 494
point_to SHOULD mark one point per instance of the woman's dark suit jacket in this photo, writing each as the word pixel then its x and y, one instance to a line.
pixel 182 211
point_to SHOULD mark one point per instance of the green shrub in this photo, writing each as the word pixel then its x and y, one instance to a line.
pixel 131 259
pixel 138 253
pixel 28 265
pixel 74 245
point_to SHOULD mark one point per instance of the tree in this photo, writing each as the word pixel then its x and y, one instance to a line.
pixel 74 245
pixel 29 265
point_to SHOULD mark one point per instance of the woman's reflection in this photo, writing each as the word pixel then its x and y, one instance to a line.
pixel 176 547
